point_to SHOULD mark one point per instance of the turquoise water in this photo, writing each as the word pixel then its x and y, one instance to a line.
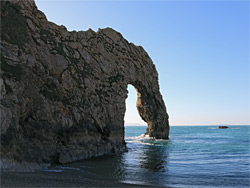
pixel 194 156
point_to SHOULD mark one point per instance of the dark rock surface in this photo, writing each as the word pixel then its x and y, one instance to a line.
pixel 223 127
pixel 63 93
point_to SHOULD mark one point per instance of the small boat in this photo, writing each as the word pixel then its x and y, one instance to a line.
pixel 223 127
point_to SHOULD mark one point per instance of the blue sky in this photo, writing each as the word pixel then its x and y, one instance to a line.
pixel 200 49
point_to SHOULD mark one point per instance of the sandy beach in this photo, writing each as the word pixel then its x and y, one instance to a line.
pixel 53 179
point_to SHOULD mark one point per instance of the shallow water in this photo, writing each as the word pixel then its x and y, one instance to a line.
pixel 194 156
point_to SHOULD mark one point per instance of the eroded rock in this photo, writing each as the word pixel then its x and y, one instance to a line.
pixel 63 93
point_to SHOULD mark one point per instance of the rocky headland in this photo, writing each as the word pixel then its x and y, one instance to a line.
pixel 63 93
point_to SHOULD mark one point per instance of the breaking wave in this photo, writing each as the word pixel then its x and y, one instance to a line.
pixel 145 139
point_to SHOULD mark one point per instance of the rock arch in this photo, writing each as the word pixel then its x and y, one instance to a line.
pixel 151 109
pixel 63 93
pixel 153 112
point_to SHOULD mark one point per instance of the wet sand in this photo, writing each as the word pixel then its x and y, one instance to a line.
pixel 53 179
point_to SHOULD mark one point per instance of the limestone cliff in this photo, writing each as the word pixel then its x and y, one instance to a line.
pixel 63 93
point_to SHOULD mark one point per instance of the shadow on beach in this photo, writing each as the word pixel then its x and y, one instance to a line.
pixel 53 179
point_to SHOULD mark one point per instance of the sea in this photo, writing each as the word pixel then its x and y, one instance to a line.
pixel 193 157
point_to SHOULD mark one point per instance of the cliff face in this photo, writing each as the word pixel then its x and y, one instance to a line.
pixel 63 93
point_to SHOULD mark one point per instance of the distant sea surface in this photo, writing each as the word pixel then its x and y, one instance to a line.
pixel 194 156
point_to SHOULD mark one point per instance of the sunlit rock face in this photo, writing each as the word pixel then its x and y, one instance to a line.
pixel 63 93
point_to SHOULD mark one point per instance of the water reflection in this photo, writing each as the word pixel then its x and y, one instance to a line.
pixel 143 163
pixel 154 159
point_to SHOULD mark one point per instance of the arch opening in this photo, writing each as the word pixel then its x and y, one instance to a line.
pixel 132 117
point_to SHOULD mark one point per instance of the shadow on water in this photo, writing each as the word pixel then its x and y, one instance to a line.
pixel 154 159
pixel 145 163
